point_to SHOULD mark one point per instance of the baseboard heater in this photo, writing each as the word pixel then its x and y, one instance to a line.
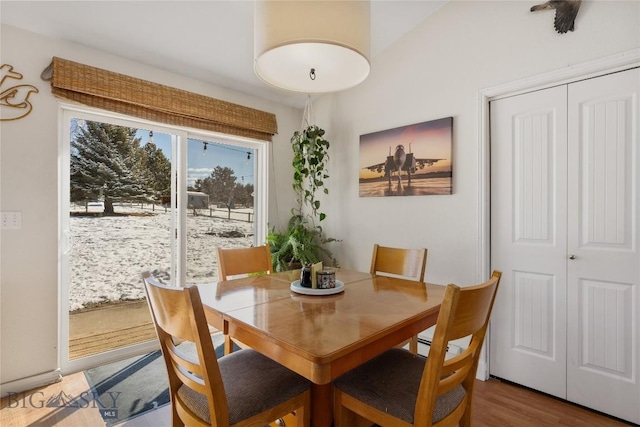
pixel 451 348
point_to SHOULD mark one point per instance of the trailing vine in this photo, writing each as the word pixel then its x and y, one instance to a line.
pixel 303 241
pixel 310 154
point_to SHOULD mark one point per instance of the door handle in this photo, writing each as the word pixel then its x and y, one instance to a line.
pixel 572 256
pixel 67 243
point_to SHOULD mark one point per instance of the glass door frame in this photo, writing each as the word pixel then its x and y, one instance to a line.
pixel 179 143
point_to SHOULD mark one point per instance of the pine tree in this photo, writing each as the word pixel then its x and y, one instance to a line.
pixel 105 164
pixel 155 170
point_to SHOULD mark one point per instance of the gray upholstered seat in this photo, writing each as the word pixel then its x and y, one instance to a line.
pixel 271 383
pixel 390 384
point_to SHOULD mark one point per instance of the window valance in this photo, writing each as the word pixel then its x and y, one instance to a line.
pixel 164 104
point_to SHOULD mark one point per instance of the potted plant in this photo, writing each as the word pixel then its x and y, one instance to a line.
pixel 303 241
pixel 298 244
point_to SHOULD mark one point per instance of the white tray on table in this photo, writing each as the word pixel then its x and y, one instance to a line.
pixel 295 287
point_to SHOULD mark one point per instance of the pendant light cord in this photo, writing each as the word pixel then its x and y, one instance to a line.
pixel 307 115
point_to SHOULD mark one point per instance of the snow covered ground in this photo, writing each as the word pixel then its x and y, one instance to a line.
pixel 109 253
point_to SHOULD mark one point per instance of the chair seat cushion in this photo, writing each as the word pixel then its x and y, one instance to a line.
pixel 390 383
pixel 253 383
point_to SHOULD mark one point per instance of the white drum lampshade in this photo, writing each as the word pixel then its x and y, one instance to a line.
pixel 312 46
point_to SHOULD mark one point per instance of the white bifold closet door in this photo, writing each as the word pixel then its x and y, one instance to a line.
pixel 565 202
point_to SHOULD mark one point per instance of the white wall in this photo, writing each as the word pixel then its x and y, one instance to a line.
pixel 437 71
pixel 29 184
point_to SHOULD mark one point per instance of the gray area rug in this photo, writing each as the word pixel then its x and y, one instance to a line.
pixel 129 388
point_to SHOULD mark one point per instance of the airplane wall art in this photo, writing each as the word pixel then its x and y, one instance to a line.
pixel 413 160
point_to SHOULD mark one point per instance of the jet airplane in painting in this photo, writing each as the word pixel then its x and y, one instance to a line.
pixel 401 161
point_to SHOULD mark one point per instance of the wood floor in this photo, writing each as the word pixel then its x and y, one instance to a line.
pixel 496 404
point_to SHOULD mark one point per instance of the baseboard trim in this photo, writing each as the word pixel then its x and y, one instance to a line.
pixel 29 383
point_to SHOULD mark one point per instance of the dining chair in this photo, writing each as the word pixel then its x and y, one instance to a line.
pixel 401 389
pixel 242 389
pixel 237 261
pixel 242 261
pixel 405 263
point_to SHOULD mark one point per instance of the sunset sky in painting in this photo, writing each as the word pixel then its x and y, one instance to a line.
pixel 429 140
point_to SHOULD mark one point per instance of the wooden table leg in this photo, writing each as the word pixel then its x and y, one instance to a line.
pixel 321 405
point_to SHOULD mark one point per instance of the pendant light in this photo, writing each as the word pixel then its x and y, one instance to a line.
pixel 312 46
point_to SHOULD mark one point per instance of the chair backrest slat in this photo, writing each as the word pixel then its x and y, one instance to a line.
pixel 408 263
pixel 235 261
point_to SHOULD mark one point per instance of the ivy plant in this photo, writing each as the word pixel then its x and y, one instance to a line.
pixel 310 155
pixel 303 241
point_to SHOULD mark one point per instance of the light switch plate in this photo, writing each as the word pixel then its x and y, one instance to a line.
pixel 11 220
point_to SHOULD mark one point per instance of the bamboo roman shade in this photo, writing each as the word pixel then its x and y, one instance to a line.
pixel 164 104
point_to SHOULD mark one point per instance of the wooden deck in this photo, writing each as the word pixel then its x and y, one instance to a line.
pixel 94 331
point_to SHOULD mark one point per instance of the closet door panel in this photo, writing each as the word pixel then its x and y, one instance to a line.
pixel 603 271
pixel 528 243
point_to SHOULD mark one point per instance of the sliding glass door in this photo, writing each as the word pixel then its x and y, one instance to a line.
pixel 221 203
pixel 138 196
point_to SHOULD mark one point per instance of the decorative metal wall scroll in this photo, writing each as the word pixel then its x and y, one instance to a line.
pixel 14 98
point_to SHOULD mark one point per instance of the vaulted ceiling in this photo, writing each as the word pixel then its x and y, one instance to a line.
pixel 211 41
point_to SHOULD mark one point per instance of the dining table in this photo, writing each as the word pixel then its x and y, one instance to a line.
pixel 321 334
